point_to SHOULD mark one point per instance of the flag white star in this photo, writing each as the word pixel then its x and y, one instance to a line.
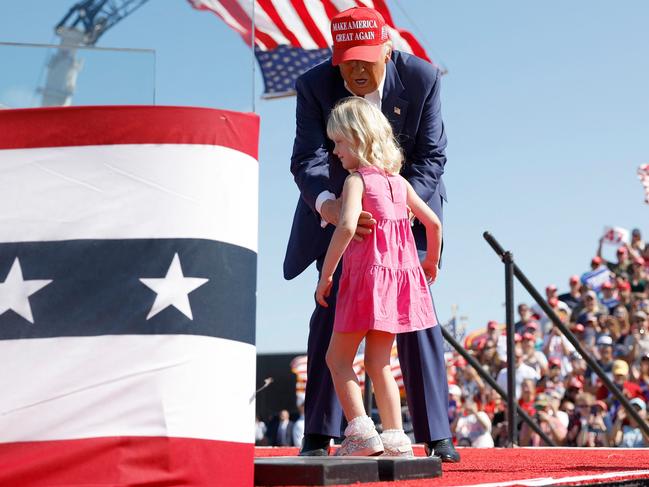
pixel 15 292
pixel 173 289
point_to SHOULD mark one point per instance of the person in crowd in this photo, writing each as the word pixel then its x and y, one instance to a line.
pixel 260 432
pixel 620 267
pixel 605 361
pixel 525 316
pixel 528 396
pixel 407 91
pixel 598 274
pixel 591 306
pixel 553 380
pixel 472 427
pixel 626 433
pixel 573 297
pixel 521 373
pixel 640 335
pixel 548 421
pixel 531 356
pixel 643 377
pixel 637 276
pixel 557 347
pixel 609 297
pixel 577 434
pixel 383 287
pixel 280 431
pixel 637 244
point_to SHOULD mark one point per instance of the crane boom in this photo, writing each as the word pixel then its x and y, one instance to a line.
pixel 84 23
pixel 94 17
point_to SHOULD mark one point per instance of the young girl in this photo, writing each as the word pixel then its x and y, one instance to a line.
pixel 383 287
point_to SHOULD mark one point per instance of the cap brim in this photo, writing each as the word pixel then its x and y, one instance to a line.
pixel 370 54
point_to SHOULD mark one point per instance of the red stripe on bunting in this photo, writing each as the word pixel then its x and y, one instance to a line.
pixel 309 23
pixel 383 10
pixel 110 125
pixel 270 9
pixel 132 461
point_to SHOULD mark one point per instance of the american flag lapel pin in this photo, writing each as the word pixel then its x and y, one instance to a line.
pixel 397 110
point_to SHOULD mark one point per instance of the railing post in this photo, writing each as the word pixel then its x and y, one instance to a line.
pixel 508 259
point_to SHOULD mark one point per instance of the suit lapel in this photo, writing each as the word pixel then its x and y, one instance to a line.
pixel 393 106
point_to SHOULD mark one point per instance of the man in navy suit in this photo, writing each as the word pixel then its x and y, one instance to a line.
pixel 406 89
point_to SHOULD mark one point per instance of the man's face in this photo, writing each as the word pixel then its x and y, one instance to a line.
pixel 363 77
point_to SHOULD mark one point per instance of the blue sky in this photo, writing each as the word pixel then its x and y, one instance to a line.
pixel 546 110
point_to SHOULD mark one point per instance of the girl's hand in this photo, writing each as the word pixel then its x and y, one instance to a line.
pixel 323 290
pixel 430 269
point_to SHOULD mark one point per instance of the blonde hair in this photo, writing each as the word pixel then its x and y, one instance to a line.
pixel 368 132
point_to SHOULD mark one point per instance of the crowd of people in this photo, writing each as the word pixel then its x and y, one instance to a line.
pixel 607 310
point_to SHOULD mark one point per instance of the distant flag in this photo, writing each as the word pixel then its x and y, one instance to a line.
pixel 292 36
pixel 127 290
pixel 643 175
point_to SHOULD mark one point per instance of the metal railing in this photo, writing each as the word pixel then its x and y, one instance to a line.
pixel 511 271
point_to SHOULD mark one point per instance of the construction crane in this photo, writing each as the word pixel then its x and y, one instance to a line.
pixel 82 26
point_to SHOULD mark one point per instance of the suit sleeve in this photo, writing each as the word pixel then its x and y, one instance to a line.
pixel 425 165
pixel 310 159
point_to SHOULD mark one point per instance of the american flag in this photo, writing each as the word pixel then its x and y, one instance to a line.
pixel 292 36
pixel 643 175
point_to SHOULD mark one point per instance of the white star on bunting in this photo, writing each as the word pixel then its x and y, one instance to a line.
pixel 173 289
pixel 15 292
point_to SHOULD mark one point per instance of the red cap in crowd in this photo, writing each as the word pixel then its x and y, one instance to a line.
pixel 554 361
pixel 597 260
pixel 624 286
pixel 602 405
pixel 532 325
pixel 621 250
pixel 607 285
pixel 576 383
pixel 492 325
pixel 551 288
pixel 528 336
pixel 358 35
pixel 574 279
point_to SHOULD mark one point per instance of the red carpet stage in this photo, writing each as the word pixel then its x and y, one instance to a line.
pixel 527 467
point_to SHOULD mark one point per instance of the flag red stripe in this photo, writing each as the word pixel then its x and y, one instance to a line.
pixel 109 125
pixel 308 22
pixel 383 10
pixel 417 49
pixel 150 461
pixel 330 8
pixel 270 9
pixel 236 11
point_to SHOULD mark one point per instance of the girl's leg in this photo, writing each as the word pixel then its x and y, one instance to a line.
pixel 340 360
pixel 378 345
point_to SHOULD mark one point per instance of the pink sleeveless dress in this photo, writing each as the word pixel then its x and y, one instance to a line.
pixel 382 286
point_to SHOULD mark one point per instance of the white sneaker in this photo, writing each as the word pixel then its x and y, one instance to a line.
pixel 361 439
pixel 396 444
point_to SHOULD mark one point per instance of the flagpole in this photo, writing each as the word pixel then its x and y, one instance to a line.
pixel 254 3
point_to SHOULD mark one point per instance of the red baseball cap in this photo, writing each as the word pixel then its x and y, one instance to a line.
pixel 624 286
pixel 550 288
pixel 621 250
pixel 574 279
pixel 492 324
pixel 556 361
pixel 358 35
pixel 607 285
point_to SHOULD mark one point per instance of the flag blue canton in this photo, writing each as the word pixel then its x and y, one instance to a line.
pixel 281 67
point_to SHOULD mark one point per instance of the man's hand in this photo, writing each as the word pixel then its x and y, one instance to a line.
pixel 330 211
pixel 430 269
pixel 323 290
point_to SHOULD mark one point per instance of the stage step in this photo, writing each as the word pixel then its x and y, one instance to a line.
pixel 336 470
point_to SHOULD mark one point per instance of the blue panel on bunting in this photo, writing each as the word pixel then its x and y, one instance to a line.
pixel 281 66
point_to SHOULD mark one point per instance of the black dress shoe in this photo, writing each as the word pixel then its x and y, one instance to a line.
pixel 315 446
pixel 443 449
